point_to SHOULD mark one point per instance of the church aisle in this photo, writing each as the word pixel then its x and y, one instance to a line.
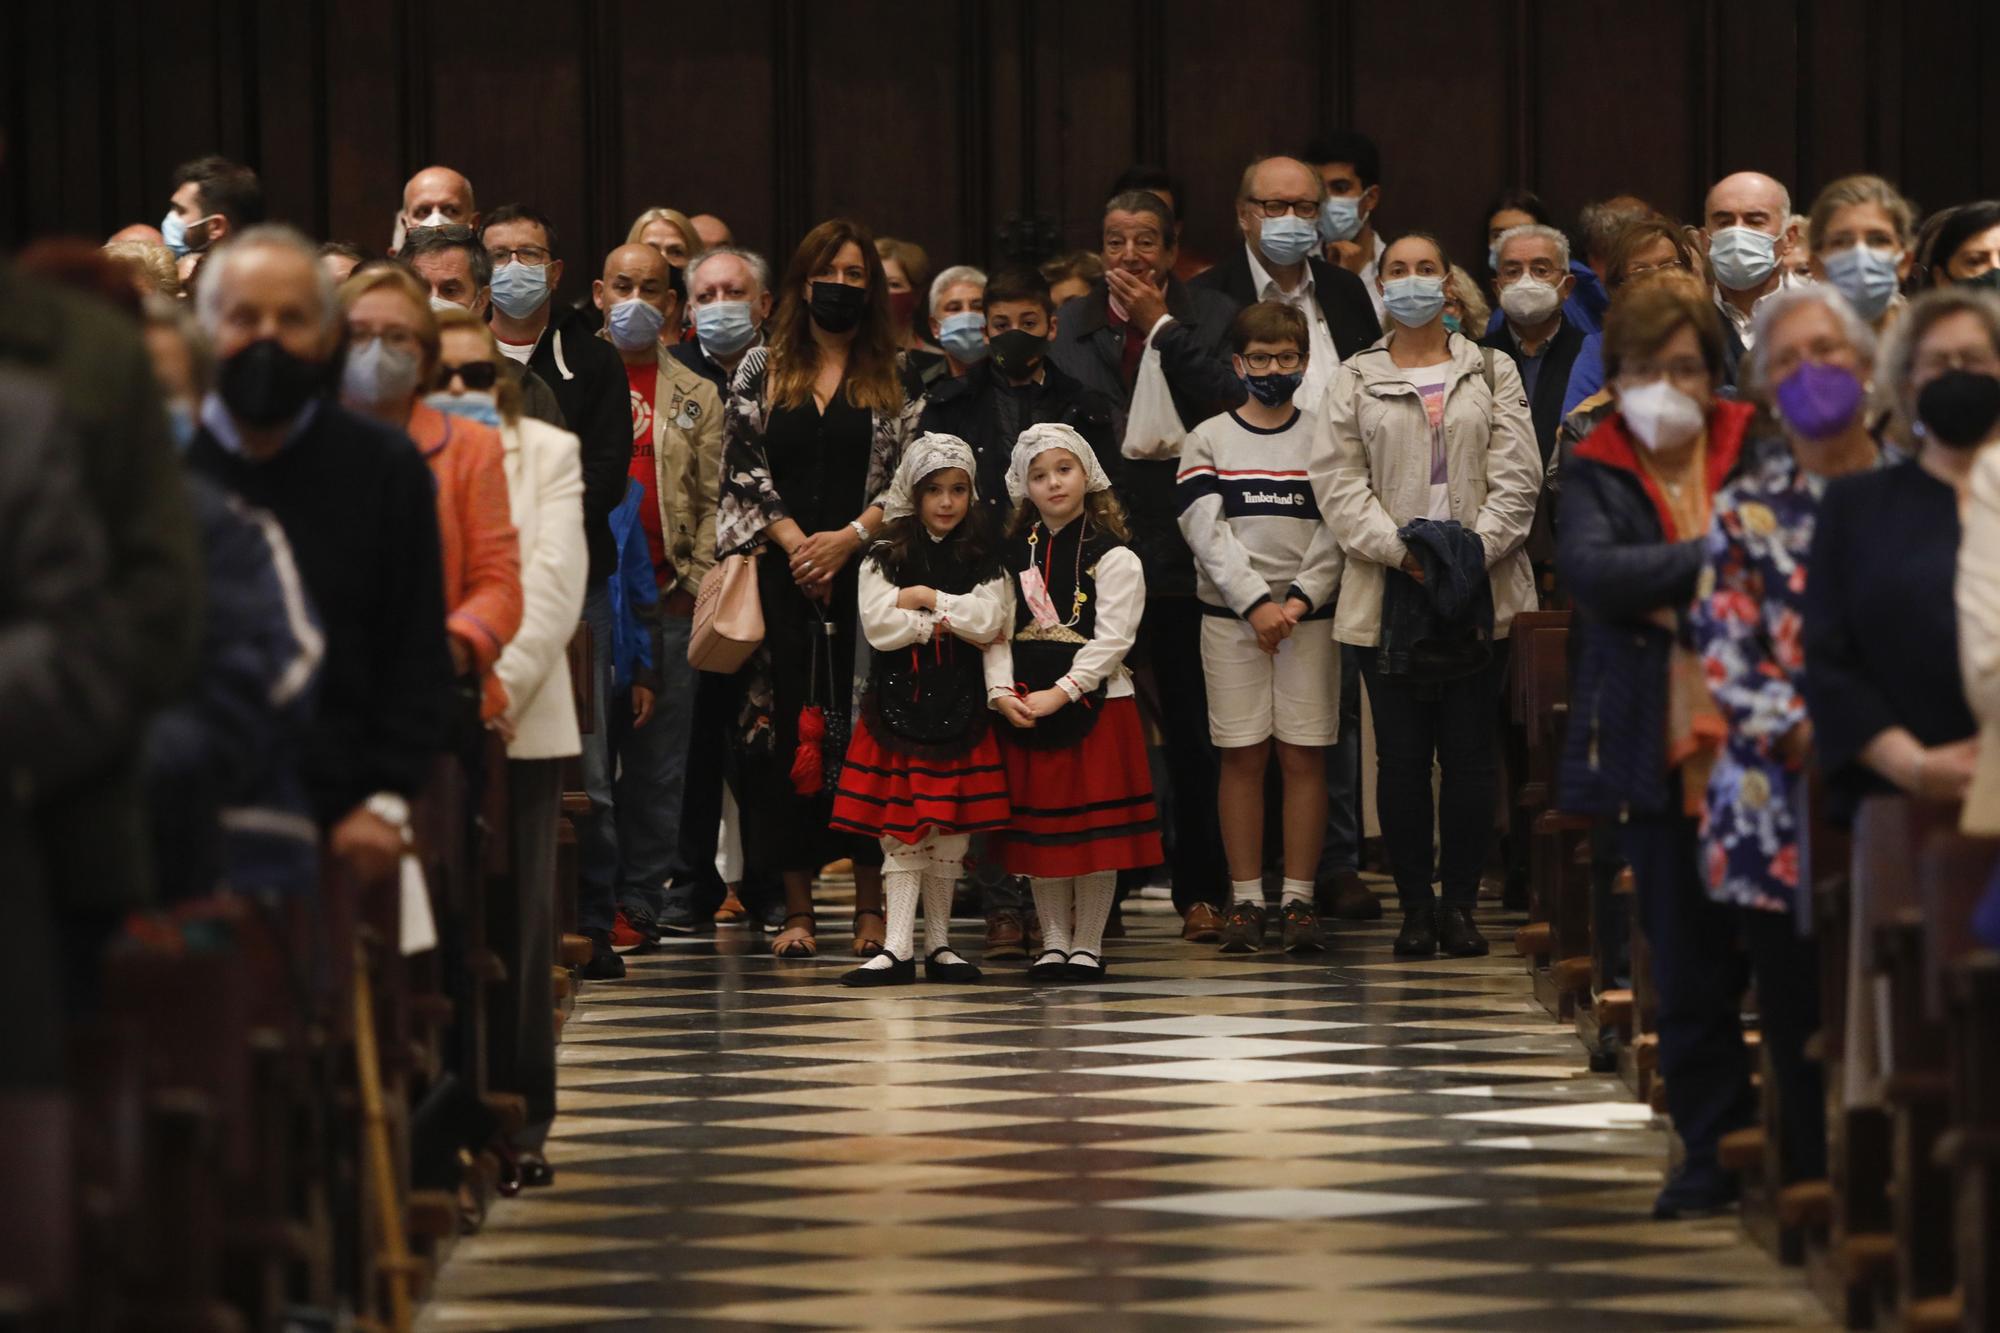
pixel 1201 1143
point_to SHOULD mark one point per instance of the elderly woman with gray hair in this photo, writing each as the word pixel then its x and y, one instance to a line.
pixel 1809 363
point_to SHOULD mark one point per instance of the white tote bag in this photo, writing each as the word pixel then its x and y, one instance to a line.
pixel 1153 427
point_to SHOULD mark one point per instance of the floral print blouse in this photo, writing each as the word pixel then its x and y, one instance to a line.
pixel 1747 622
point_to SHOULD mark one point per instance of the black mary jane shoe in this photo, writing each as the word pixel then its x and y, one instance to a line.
pixel 900 972
pixel 1089 971
pixel 1051 965
pixel 954 973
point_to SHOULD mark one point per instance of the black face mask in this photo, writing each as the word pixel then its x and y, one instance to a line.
pixel 837 307
pixel 1016 352
pixel 1958 408
pixel 263 385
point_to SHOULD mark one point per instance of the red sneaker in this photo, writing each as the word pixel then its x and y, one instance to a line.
pixel 624 938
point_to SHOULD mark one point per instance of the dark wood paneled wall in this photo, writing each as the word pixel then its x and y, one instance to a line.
pixel 948 120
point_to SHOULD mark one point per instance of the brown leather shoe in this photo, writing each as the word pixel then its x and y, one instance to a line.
pixel 1004 936
pixel 1202 925
pixel 1348 899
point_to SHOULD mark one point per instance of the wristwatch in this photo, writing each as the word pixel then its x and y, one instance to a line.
pixel 860 529
pixel 391 809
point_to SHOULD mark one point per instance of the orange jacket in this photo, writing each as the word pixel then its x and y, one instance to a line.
pixel 482 557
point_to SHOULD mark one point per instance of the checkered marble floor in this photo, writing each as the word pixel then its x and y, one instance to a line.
pixel 1200 1142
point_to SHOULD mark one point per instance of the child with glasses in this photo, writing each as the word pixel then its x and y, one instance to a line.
pixel 1268 568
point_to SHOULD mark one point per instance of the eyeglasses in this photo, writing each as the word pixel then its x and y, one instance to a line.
pixel 1541 269
pixel 400 339
pixel 533 255
pixel 1277 208
pixel 1633 271
pixel 1639 373
pixel 1263 361
pixel 455 232
pixel 1965 358
pixel 475 375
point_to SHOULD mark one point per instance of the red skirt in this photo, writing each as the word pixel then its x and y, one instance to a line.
pixel 885 794
pixel 1087 808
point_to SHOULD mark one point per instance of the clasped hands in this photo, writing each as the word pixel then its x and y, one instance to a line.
pixel 1024 706
pixel 1274 623
pixel 820 556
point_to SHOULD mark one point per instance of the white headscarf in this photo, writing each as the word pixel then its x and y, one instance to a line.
pixel 926 454
pixel 1038 440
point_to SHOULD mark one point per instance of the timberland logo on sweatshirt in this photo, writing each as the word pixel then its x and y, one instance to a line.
pixel 1291 499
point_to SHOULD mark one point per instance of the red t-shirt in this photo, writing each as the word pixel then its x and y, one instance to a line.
pixel 644 382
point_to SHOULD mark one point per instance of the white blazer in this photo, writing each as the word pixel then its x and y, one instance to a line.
pixel 545 493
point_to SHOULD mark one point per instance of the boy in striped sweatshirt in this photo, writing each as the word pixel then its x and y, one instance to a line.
pixel 1268 568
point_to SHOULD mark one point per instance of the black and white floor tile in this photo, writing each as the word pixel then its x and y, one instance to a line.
pixel 1200 1142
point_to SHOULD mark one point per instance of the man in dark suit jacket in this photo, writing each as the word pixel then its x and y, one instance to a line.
pixel 1100 339
pixel 1277 206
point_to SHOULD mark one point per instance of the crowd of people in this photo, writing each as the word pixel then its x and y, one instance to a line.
pixel 1070 577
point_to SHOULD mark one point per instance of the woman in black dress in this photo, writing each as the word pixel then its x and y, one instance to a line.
pixel 817 423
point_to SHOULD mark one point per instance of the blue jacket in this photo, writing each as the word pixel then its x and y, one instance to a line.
pixel 1620 560
pixel 228 799
pixel 1442 628
pixel 635 597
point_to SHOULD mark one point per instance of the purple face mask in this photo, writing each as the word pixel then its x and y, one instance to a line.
pixel 1819 401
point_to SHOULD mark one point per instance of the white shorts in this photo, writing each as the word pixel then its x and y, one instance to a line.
pixel 1253 696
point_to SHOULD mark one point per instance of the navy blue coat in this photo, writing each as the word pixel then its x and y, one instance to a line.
pixel 1617 563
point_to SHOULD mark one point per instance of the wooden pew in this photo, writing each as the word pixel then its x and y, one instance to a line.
pixel 1556 940
pixel 1971 1148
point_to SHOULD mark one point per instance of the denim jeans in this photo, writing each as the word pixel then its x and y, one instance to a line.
pixel 1453 722
pixel 628 844
pixel 1340 851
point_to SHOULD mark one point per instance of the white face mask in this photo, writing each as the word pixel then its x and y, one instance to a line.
pixel 1529 300
pixel 1661 416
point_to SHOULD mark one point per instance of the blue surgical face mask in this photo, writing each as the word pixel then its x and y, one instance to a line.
pixel 181 424
pixel 520 289
pixel 1742 257
pixel 634 325
pixel 724 327
pixel 1451 323
pixel 1492 259
pixel 1287 240
pixel 1865 276
pixel 480 407
pixel 1413 301
pixel 1339 217
pixel 174 232
pixel 963 334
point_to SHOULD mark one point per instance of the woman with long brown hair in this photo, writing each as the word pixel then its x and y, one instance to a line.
pixel 817 420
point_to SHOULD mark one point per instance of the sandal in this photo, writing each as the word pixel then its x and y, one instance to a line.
pixel 863 946
pixel 732 911
pixel 796 941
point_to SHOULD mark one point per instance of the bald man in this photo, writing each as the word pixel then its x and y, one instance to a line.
pixel 1277 209
pixel 1340 319
pixel 138 231
pixel 434 197
pixel 1746 221
pixel 635 768
pixel 712 230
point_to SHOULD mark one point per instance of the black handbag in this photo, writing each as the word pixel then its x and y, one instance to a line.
pixel 1038 665
pixel 944 706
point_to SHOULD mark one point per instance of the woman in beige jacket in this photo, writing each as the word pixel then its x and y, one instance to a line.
pixel 1428 426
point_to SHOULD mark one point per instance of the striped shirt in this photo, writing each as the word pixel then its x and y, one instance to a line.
pixel 1248 514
